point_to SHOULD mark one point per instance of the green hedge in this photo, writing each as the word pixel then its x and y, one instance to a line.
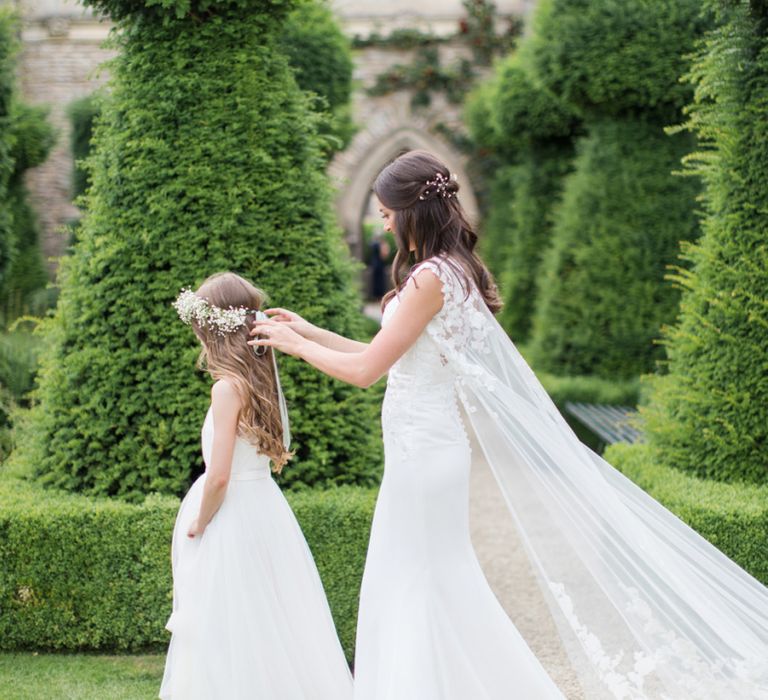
pixel 588 389
pixel 534 186
pixel 733 517
pixel 83 573
pixel 530 134
pixel 320 55
pixel 319 52
pixel 602 296
pixel 23 289
pixel 617 57
pixel 206 158
pixel 709 414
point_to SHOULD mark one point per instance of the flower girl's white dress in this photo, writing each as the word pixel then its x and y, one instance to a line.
pixel 250 618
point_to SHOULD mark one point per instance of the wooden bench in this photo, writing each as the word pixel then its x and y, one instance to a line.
pixel 610 423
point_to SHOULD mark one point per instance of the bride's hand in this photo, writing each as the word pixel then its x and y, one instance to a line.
pixel 291 319
pixel 277 335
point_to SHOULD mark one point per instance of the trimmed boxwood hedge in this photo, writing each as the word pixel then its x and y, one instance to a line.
pixel 589 389
pixel 602 296
pixel 529 133
pixel 83 573
pixel 733 517
pixel 617 57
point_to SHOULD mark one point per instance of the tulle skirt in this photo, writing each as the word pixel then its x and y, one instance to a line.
pixel 250 617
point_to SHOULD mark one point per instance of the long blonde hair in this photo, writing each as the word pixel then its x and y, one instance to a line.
pixel 228 356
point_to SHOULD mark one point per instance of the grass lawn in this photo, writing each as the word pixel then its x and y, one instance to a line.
pixel 28 676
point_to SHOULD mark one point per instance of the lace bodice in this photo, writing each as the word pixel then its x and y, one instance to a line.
pixel 459 325
pixel 423 386
pixel 247 462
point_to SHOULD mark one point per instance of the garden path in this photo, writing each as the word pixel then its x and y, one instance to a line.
pixel 506 567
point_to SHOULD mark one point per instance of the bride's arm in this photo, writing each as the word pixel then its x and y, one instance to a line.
pixel 225 404
pixel 418 304
pixel 321 336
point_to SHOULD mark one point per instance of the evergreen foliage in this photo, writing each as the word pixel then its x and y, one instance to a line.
pixel 535 185
pixel 22 290
pixel 602 295
pixel 205 158
pixel 530 134
pixel 61 552
pixel 733 517
pixel 26 138
pixel 709 414
pixel 83 113
pixel 319 52
pixel 617 57
pixel 321 57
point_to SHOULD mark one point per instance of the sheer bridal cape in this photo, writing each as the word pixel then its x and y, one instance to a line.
pixel 645 607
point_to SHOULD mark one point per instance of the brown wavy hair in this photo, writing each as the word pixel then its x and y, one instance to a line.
pixel 435 224
pixel 229 357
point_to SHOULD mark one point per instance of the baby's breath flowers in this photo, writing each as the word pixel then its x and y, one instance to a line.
pixel 191 307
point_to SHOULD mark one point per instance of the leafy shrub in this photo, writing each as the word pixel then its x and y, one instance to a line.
pixel 205 158
pixel 23 289
pixel 589 389
pixel 26 138
pixel 709 414
pixel 602 295
pixel 535 186
pixel 733 517
pixel 321 57
pixel 617 57
pixel 94 574
pixel 530 132
pixel 82 113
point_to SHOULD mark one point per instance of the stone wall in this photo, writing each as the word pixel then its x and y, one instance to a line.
pixel 58 63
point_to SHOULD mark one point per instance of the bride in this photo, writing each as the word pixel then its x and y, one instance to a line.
pixel 644 606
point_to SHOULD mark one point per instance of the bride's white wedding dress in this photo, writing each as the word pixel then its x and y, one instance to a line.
pixel 645 607
pixel 429 626
pixel 250 618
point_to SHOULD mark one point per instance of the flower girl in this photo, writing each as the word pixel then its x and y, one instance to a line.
pixel 250 618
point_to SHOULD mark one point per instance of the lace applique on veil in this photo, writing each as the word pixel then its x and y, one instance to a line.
pixel 647 608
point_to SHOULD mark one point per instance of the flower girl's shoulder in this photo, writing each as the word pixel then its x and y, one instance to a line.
pixel 225 393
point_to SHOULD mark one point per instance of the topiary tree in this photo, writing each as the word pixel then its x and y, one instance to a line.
pixel 530 132
pixel 617 58
pixel 206 157
pixel 321 57
pixel 709 414
pixel 602 296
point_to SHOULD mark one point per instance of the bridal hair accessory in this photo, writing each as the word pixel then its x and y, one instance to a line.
pixel 437 186
pixel 191 307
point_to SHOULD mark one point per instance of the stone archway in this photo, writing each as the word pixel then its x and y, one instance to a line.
pixel 354 171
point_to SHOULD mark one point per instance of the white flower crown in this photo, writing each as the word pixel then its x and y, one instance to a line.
pixel 191 307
